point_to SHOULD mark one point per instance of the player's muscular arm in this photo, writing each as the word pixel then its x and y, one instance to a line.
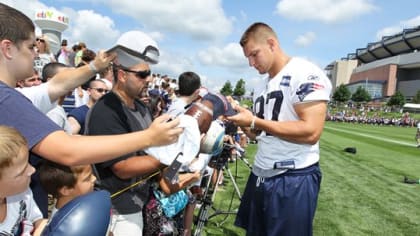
pixel 306 130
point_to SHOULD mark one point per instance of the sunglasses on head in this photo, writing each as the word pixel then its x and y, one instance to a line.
pixel 142 74
pixel 40 40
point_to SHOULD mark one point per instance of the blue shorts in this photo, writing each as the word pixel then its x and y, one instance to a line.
pixel 284 204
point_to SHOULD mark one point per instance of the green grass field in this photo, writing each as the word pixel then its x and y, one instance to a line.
pixel 361 194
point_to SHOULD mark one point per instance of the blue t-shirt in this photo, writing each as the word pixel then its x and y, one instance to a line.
pixel 79 114
pixel 17 111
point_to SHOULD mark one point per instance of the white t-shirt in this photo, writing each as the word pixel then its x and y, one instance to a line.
pixel 39 97
pixel 64 57
pixel 298 82
pixel 177 107
pixel 22 212
pixel 59 116
pixel 80 101
pixel 188 142
pixel 41 60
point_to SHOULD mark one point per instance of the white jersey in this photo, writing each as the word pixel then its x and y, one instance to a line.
pixel 298 82
pixel 188 142
pixel 177 107
pixel 22 212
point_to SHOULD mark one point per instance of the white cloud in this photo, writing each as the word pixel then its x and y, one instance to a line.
pixel 305 39
pixel 97 31
pixel 27 7
pixel 388 31
pixel 173 64
pixel 203 20
pixel 243 15
pixel 229 56
pixel 157 36
pixel 327 11
pixel 391 30
pixel 411 22
pixel 254 82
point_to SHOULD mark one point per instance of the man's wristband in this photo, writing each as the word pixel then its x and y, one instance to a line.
pixel 252 126
pixel 92 67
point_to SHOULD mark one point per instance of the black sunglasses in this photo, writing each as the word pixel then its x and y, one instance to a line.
pixel 40 40
pixel 101 90
pixel 142 74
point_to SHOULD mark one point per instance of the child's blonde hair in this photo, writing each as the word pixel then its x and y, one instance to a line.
pixel 11 143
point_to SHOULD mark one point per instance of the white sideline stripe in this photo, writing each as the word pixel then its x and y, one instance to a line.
pixel 373 137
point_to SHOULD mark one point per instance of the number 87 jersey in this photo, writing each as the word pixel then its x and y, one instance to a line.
pixel 299 81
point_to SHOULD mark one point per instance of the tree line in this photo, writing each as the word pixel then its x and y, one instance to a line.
pixel 343 94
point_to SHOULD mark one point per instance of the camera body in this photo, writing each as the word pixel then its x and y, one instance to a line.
pixel 230 128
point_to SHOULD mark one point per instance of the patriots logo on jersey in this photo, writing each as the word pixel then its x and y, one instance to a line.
pixel 285 80
pixel 307 88
pixel 313 77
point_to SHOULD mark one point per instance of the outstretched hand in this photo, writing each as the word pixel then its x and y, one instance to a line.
pixel 103 60
pixel 165 131
pixel 243 118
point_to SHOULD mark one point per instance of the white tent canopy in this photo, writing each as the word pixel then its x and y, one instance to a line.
pixel 411 107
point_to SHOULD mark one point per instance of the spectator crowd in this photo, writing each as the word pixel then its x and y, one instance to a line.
pixel 78 117
pixel 405 120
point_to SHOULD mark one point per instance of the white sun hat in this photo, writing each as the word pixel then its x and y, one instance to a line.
pixel 134 47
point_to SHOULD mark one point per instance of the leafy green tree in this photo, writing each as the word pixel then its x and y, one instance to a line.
pixel 396 100
pixel 341 94
pixel 227 89
pixel 247 102
pixel 416 99
pixel 361 95
pixel 239 88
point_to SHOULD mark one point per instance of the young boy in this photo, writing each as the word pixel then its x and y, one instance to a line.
pixel 19 214
pixel 65 183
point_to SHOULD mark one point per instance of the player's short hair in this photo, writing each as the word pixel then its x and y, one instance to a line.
pixel 257 31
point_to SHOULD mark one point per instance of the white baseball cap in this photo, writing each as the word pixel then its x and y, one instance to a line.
pixel 134 47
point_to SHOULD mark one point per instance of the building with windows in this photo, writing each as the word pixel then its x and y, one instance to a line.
pixel 382 68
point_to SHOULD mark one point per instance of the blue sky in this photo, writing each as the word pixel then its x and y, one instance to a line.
pixel 202 35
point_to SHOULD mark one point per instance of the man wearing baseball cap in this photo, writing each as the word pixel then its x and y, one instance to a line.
pixel 45 139
pixel 120 111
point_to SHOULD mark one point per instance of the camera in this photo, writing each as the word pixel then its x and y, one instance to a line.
pixel 230 128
